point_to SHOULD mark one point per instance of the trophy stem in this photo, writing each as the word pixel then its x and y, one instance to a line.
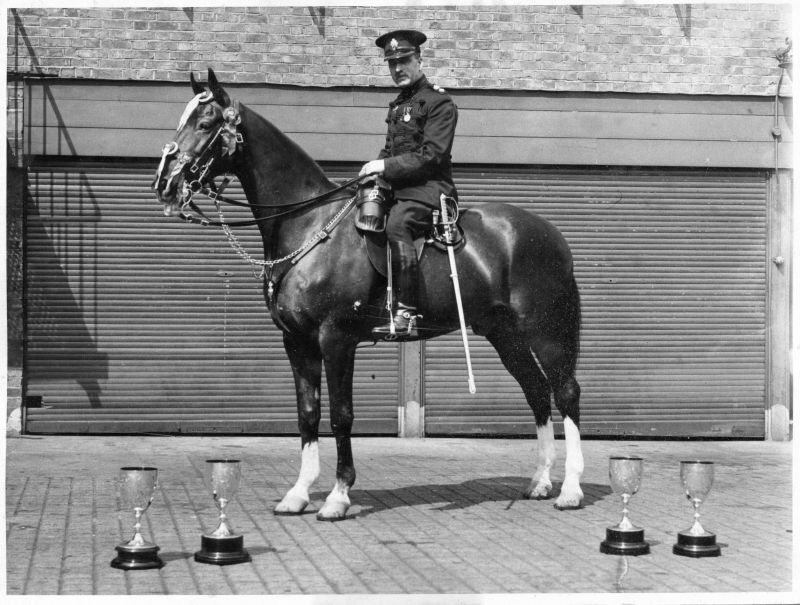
pixel 224 529
pixel 625 522
pixel 137 539
pixel 697 528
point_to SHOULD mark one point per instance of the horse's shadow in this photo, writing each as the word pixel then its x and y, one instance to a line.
pixel 457 496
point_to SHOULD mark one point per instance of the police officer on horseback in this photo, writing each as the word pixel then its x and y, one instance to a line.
pixel 416 163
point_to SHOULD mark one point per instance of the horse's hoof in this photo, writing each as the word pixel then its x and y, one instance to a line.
pixel 336 511
pixel 567 503
pixel 291 506
pixel 538 492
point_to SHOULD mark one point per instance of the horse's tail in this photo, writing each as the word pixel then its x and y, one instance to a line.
pixel 573 321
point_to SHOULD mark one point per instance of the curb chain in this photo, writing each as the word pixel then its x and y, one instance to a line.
pixel 265 264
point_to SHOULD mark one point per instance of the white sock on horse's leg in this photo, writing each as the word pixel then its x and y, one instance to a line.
pixel 337 503
pixel 541 485
pixel 297 498
pixel 571 493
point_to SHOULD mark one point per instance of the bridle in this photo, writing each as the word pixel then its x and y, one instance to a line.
pixel 196 169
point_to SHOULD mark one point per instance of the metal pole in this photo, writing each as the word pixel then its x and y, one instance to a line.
pixel 456 286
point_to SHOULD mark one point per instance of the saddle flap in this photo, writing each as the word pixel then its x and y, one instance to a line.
pixel 375 245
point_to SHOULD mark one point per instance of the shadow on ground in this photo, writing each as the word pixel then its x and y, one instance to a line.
pixel 456 496
pixel 175 555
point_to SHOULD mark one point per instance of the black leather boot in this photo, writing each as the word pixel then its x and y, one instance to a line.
pixel 403 325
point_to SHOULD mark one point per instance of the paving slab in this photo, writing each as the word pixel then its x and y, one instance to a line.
pixel 434 520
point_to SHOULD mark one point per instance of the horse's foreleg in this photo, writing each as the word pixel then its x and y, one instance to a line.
pixel 306 362
pixel 339 361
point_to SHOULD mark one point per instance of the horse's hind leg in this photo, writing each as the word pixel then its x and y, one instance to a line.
pixel 306 361
pixel 558 364
pixel 521 364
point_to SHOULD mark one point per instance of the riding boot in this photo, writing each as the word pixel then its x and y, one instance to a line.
pixel 406 272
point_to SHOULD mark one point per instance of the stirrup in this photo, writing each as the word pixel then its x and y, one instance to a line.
pixel 402 326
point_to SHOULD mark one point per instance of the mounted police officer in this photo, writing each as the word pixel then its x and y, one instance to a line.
pixel 416 163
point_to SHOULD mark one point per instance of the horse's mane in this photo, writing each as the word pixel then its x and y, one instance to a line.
pixel 292 155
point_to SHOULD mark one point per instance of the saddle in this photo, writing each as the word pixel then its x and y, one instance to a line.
pixel 371 210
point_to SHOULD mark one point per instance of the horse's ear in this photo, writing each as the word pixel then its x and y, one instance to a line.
pixel 197 88
pixel 220 96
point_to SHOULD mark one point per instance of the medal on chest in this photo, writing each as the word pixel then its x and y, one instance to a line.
pixel 407 113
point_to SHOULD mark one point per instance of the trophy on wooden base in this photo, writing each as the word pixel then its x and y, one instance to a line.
pixel 697 477
pixel 625 475
pixel 137 485
pixel 223 546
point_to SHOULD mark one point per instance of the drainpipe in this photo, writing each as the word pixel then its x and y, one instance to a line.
pixel 779 414
pixel 784 58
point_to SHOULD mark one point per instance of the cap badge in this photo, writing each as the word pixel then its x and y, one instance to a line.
pixel 393 44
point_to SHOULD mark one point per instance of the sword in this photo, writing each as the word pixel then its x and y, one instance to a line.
pixel 448 235
pixel 389 302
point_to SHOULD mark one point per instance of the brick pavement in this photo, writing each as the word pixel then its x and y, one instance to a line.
pixel 432 517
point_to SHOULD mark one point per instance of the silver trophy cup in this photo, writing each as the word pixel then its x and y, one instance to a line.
pixel 223 546
pixel 625 476
pixel 697 477
pixel 137 485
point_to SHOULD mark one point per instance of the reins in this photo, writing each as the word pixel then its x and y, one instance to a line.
pixel 215 194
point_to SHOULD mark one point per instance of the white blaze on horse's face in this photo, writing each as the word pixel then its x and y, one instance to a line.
pixel 191 107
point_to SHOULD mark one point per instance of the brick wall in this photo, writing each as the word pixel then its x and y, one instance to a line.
pixel 660 48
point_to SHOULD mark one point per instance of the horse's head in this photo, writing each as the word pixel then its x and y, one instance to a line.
pixel 205 143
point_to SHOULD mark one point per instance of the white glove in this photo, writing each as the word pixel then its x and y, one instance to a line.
pixel 372 167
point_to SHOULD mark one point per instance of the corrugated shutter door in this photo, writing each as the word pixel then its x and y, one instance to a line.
pixel 137 322
pixel 671 269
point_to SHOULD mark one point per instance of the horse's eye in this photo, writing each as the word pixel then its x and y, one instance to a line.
pixel 204 126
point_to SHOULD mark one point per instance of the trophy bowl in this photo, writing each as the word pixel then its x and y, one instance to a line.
pixel 137 485
pixel 223 546
pixel 697 477
pixel 625 476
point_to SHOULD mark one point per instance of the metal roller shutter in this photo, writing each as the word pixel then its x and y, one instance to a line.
pixel 671 266
pixel 141 323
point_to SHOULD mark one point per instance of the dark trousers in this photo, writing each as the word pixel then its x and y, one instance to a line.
pixel 407 221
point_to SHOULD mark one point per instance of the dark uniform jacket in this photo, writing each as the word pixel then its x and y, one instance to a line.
pixel 417 152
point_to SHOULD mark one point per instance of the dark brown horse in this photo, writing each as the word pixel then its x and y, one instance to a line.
pixel 323 293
